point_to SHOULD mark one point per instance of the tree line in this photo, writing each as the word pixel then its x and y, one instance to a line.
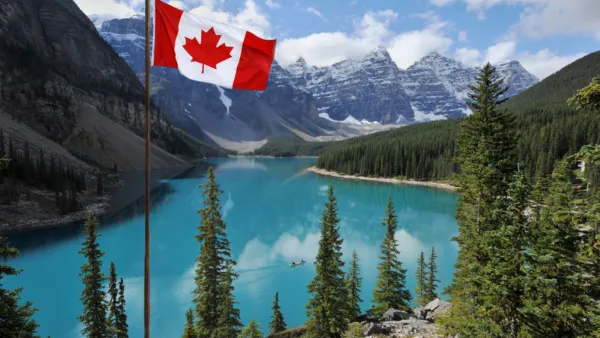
pixel 44 171
pixel 548 129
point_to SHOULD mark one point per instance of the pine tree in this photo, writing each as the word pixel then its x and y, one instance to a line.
pixel 353 284
pixel 113 292
pixel 390 291
pixel 16 320
pixel 487 159
pixel 229 323
pixel 431 280
pixel 122 328
pixel 214 264
pixel 327 304
pixel 556 295
pixel 421 288
pixel 189 331
pixel 251 331
pixel 277 323
pixel 92 296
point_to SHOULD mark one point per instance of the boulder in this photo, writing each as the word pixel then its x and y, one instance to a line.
pixel 393 314
pixel 433 304
pixel 420 312
pixel 376 328
pixel 439 310
pixel 402 328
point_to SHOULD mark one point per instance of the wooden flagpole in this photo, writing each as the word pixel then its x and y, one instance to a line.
pixel 147 218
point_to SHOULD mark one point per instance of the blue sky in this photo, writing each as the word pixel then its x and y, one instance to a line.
pixel 544 35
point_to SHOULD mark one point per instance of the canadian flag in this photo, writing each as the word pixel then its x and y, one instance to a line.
pixel 209 51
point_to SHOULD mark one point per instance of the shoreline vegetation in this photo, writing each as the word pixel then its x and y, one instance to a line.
pixel 438 185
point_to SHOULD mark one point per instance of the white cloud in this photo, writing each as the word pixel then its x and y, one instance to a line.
pixel 545 62
pixel 115 8
pixel 272 4
pixel 371 31
pixel 542 18
pixel 178 4
pixel 468 56
pixel 316 12
pixel 541 63
pixel 462 36
pixel 249 17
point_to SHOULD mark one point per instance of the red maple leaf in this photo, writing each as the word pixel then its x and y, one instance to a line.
pixel 206 52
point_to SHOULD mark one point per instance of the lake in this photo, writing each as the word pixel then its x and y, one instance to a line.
pixel 272 208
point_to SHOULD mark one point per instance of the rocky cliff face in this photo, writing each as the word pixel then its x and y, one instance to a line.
pixel 59 77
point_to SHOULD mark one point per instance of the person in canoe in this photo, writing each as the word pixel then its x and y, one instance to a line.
pixel 298 263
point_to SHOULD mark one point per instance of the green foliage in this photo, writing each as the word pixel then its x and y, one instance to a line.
pixel 122 329
pixel 485 153
pixel 181 143
pixel 355 330
pixel 556 292
pixel 93 318
pixel 229 324
pixel 251 331
pixel 326 308
pixel 587 97
pixel 353 284
pixel 189 331
pixel 113 293
pixel 214 272
pixel 390 291
pixel 431 279
pixel 16 320
pixel 277 323
pixel 421 288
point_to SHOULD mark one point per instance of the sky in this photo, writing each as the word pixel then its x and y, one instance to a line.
pixel 543 35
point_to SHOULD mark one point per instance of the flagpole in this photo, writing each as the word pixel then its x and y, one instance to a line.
pixel 147 218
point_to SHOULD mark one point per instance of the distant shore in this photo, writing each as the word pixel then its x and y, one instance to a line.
pixel 270 156
pixel 438 185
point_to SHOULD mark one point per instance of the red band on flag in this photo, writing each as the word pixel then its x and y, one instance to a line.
pixel 166 28
pixel 255 63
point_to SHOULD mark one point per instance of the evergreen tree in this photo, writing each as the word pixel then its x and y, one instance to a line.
pixel 15 320
pixel 556 295
pixel 214 266
pixel 92 296
pixel 327 304
pixel 277 323
pixel 122 328
pixel 113 292
pixel 421 288
pixel 189 331
pixel 587 97
pixel 431 280
pixel 390 291
pixel 487 160
pixel 251 331
pixel 353 284
pixel 229 323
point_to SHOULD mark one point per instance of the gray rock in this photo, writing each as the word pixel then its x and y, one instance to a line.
pixel 420 312
pixel 393 314
pixel 376 328
pixel 433 304
pixel 439 310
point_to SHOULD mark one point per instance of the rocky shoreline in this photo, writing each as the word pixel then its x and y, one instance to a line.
pixel 438 185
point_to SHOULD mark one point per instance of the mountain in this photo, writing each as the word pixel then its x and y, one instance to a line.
pixel 70 108
pixel 234 119
pixel 374 89
pixel 349 98
pixel 548 128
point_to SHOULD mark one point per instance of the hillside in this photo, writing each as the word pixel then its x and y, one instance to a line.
pixel 71 108
pixel 549 130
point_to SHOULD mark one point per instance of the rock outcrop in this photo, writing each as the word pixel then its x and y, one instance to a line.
pixel 397 323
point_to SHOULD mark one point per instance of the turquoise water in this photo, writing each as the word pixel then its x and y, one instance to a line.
pixel 272 208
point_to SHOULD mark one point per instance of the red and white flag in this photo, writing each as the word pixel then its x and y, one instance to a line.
pixel 209 51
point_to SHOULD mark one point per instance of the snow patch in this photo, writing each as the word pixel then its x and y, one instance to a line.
pixel 191 117
pixel 426 117
pixel 226 101
pixel 467 111
pixel 348 120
